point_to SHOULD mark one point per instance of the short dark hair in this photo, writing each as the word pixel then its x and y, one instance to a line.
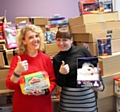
pixel 64 33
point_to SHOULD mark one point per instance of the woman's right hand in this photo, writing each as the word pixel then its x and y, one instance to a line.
pixel 22 66
pixel 64 68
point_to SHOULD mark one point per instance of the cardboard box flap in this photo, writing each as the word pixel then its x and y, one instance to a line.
pixel 89 37
pixel 3 19
pixel 21 19
pixel 38 20
pixel 93 18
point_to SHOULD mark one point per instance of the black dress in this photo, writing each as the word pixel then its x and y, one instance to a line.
pixel 72 98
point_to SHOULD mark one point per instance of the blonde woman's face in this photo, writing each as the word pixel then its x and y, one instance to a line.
pixel 32 41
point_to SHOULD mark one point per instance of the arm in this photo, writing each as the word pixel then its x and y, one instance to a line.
pixel 51 75
pixel 61 81
pixel 9 83
pixel 102 86
pixel 16 68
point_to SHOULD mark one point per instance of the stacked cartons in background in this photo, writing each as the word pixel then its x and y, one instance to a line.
pixel 39 21
pixel 86 29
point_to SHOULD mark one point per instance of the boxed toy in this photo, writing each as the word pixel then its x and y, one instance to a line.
pixel 88 72
pixel 30 82
pixel 104 46
pixel 50 36
pixel 107 4
pixel 10 35
pixel 117 104
pixel 90 7
pixel 1 31
pixel 117 86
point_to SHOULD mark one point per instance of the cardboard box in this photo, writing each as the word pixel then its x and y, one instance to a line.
pixel 10 54
pixel 4 72
pixel 3 19
pixel 93 18
pixel 92 47
pixel 88 28
pixel 89 37
pixel 115 34
pixel 115 45
pixel 111 25
pixel 51 49
pixel 109 86
pixel 107 104
pixel 21 19
pixel 2 61
pixel 38 20
pixel 43 28
pixel 109 64
pixel 3 76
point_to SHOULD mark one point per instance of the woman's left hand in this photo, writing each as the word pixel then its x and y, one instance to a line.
pixel 37 92
pixel 100 88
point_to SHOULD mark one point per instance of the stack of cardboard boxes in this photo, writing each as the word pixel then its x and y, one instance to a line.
pixel 39 21
pixel 86 29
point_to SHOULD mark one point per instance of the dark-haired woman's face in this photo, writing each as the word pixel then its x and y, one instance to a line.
pixel 64 44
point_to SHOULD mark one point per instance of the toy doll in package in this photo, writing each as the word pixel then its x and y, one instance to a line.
pixel 30 82
pixel 88 72
pixel 10 35
pixel 104 46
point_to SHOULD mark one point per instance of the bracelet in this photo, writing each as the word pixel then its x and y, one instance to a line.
pixel 16 75
pixel 46 91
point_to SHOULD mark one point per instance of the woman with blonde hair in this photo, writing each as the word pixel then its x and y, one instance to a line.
pixel 30 59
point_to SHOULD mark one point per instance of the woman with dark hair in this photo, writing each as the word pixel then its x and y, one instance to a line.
pixel 72 98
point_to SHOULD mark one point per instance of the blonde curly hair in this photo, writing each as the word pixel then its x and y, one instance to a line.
pixel 21 36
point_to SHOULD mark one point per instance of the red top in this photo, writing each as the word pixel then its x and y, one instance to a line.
pixel 31 103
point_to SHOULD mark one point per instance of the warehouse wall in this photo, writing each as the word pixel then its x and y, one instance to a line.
pixel 44 8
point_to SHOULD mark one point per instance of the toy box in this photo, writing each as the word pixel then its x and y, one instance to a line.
pixel 117 104
pixel 1 31
pixel 88 72
pixel 90 7
pixel 10 35
pixel 104 46
pixel 108 5
pixel 50 36
pixel 30 82
pixel 56 92
pixel 117 86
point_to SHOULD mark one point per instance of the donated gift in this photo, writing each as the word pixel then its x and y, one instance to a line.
pixel 117 86
pixel 30 82
pixel 88 72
